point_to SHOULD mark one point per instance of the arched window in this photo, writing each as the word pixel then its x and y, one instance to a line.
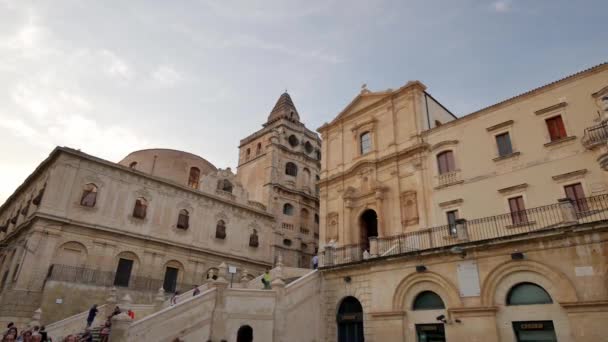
pixel 288 209
pixel 291 169
pixel 445 162
pixel 258 149
pixel 140 208
pixel 350 320
pixel 89 195
pixel 287 242
pixel 527 294
pixel 224 185
pixel 220 230
pixel 183 219
pixel 253 239
pixel 133 165
pixel 428 300
pixel 306 176
pixel 304 214
pixel 365 142
pixel 308 147
pixel 318 153
pixel 244 334
pixel 317 218
pixel 248 152
pixel 293 141
pixel 193 179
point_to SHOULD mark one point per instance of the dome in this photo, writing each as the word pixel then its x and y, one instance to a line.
pixel 177 166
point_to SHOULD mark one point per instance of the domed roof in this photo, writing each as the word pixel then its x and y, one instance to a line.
pixel 284 108
pixel 166 163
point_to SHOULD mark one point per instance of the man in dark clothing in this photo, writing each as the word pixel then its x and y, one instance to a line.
pixel 92 314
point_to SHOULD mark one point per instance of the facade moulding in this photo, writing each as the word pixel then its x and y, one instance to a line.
pixel 444 143
pixel 586 306
pixel 569 175
pixel 550 108
pixel 480 311
pixel 517 98
pixel 418 148
pixel 500 125
pixel 147 238
pixel 450 203
pixel 513 188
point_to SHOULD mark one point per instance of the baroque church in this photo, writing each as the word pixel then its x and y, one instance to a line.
pixel 491 226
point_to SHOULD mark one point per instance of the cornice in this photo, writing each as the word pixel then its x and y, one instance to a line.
pixel 550 108
pixel 444 143
pixel 521 97
pixel 500 125
pixel 146 238
pixel 568 175
pixel 513 188
pixel 420 147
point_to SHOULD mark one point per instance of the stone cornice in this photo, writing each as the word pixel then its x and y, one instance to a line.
pixel 301 193
pixel 551 108
pixel 500 125
pixel 388 314
pixel 146 238
pixel 590 306
pixel 452 202
pixel 444 143
pixel 513 188
pixel 477 311
pixel 569 175
pixel 420 147
pixel 521 97
pixel 600 92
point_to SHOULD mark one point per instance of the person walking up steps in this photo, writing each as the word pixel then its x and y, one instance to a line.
pixel 266 280
pixel 92 314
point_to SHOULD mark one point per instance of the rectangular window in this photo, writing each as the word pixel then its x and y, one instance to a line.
pixel 366 143
pixel 556 128
pixel 518 210
pixel 123 272
pixel 576 194
pixel 452 216
pixel 503 141
pixel 445 162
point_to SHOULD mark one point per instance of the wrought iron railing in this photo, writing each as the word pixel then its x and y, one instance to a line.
pixel 87 276
pixel 564 213
pixel 595 135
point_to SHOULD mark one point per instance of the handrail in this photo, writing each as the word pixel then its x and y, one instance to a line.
pixel 552 216
pixel 595 135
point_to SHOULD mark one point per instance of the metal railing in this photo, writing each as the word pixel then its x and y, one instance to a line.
pixel 564 213
pixel 595 135
pixel 87 276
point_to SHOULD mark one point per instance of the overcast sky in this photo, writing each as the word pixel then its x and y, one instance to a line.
pixel 111 77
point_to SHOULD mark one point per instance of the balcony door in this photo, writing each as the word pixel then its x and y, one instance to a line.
pixel 123 272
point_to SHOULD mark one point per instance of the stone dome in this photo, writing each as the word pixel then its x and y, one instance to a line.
pixel 170 164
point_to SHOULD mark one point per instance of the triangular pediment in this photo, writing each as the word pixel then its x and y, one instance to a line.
pixel 361 101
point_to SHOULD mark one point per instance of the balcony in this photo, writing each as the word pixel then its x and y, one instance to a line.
pixel 448 178
pixel 595 135
pixel 287 226
pixel 304 230
pixel 539 220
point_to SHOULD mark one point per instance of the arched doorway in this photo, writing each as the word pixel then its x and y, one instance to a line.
pixel 369 227
pixel 350 320
pixel 245 334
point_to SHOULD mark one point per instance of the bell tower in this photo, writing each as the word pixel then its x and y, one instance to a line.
pixel 279 166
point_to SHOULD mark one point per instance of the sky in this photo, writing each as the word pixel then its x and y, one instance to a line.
pixel 111 77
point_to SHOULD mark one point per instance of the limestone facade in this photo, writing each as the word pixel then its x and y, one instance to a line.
pixel 280 165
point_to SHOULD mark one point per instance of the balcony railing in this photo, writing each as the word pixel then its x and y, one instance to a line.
pixel 596 135
pixel 545 218
pixel 448 178
pixel 304 230
pixel 82 275
pixel 287 226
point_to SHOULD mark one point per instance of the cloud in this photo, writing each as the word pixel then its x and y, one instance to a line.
pixel 116 66
pixel 502 6
pixel 166 76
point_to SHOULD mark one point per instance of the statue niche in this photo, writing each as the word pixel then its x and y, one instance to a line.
pixel 253 239
pixel 332 227
pixel 409 208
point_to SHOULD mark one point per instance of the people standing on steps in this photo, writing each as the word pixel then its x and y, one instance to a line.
pixel 196 291
pixel 92 314
pixel 131 314
pixel 315 262
pixel 266 280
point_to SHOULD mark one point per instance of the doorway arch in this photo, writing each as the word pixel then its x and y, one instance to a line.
pixel 350 320
pixel 368 223
pixel 245 334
